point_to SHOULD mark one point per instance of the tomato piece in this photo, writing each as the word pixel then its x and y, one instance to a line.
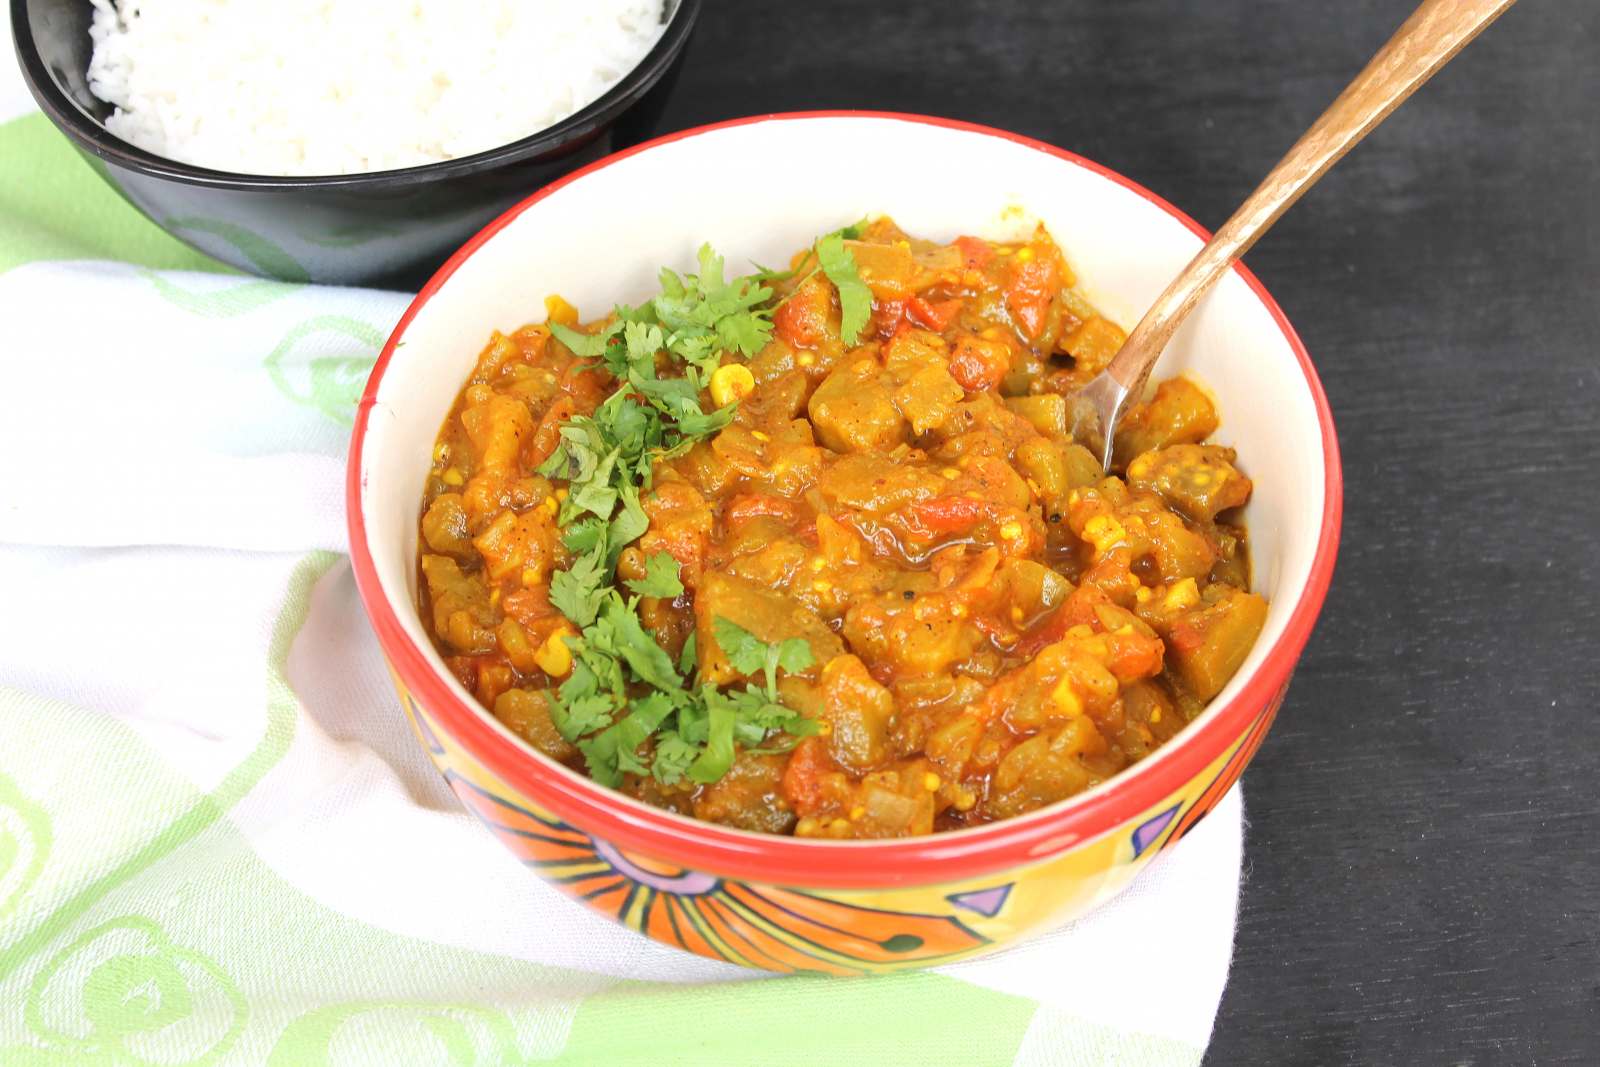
pixel 948 514
pixel 802 320
pixel 587 382
pixel 802 776
pixel 548 433
pixel 1028 294
pixel 1077 609
pixel 978 364
pixel 935 316
pixel 1134 655
pixel 530 606
pixel 975 252
pixel 994 629
pixel 746 506
pixel 1185 636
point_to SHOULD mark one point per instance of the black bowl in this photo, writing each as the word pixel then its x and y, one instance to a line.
pixel 387 228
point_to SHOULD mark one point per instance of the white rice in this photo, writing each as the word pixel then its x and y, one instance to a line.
pixel 346 86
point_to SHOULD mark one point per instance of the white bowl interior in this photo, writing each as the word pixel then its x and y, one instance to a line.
pixel 759 191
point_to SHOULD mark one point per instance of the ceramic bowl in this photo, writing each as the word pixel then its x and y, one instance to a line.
pixel 779 903
pixel 387 228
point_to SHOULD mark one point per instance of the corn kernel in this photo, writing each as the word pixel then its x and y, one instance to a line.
pixel 531 575
pixel 931 782
pixel 1024 255
pixel 494 597
pixel 1066 698
pixel 557 309
pixel 759 436
pixel 857 813
pixel 824 729
pixel 805 359
pixel 1155 715
pixel 1143 595
pixel 1103 532
pixel 452 477
pixel 818 563
pixel 966 800
pixel 949 474
pixel 440 451
pixel 554 657
pixel 731 382
pixel 1011 531
pixel 1182 596
pixel 561 494
pixel 550 505
pixel 822 585
pixel 1016 615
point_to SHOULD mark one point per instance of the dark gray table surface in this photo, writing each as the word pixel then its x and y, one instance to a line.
pixel 1422 873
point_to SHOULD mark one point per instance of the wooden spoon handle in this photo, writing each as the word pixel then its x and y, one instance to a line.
pixel 1427 40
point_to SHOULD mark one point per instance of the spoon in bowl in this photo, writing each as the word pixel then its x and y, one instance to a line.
pixel 1427 40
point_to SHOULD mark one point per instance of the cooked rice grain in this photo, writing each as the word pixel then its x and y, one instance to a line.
pixel 346 86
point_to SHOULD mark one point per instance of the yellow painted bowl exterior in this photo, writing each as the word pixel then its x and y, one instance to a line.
pixel 804 929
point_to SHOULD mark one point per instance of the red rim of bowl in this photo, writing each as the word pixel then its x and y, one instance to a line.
pixel 932 859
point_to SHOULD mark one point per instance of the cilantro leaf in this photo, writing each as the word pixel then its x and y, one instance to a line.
pixel 672 758
pixel 578 591
pixel 619 631
pixel 717 756
pixel 855 299
pixel 703 425
pixel 749 654
pixel 660 578
pixel 690 653
pixel 585 535
pixel 582 344
pixel 614 750
pixel 627 524
pixel 745 651
pixel 794 655
pixel 576 715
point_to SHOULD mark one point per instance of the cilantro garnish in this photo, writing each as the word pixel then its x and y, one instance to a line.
pixel 855 299
pixel 624 689
pixel 660 578
pixel 748 653
pixel 838 264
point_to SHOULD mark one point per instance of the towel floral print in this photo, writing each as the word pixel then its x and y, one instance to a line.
pixel 123 993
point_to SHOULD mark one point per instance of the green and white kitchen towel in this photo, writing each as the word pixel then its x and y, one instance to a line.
pixel 219 843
